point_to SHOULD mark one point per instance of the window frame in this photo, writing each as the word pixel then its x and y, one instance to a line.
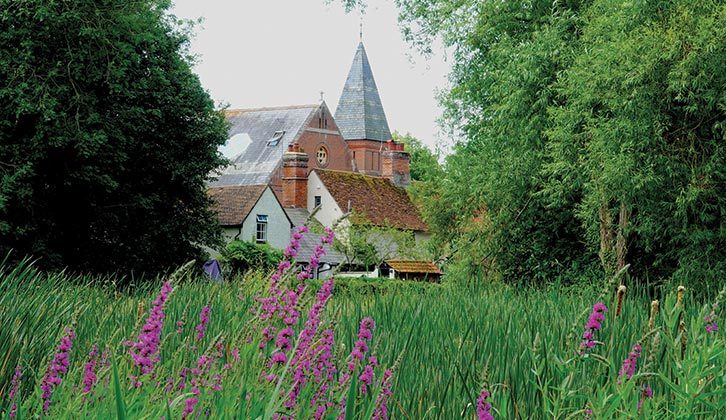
pixel 261 228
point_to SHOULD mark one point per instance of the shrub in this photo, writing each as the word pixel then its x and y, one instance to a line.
pixel 244 255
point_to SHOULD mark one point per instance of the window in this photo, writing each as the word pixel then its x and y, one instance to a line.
pixel 322 156
pixel 317 201
pixel 261 231
pixel 275 140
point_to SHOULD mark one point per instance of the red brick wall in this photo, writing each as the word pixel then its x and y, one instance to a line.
pixel 367 155
pixel 315 136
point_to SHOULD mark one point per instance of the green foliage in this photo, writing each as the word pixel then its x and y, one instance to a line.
pixel 423 162
pixel 592 136
pixel 106 136
pixel 369 245
pixel 445 339
pixel 245 255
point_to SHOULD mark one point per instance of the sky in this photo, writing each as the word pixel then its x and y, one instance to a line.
pixel 257 53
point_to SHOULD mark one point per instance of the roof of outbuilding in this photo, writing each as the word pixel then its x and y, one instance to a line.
pixel 255 165
pixel 310 240
pixel 360 112
pixel 233 203
pixel 373 200
pixel 414 266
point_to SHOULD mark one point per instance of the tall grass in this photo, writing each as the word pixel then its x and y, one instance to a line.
pixel 444 343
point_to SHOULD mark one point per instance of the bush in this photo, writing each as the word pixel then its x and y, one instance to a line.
pixel 244 255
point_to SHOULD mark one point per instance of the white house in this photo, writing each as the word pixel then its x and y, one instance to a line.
pixel 251 213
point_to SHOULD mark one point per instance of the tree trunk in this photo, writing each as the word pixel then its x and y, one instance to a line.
pixel 621 245
pixel 606 238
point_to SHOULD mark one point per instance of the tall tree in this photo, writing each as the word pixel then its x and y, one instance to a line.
pixel 424 163
pixel 106 136
pixel 593 135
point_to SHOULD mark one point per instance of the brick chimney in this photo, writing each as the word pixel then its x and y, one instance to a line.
pixel 395 164
pixel 294 177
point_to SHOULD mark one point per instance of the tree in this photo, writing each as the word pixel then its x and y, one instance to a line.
pixel 106 136
pixel 593 135
pixel 424 163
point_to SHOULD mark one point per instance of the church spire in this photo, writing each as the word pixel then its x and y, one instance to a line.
pixel 360 113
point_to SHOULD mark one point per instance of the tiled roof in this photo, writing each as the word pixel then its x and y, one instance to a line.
pixel 360 113
pixel 298 216
pixel 233 203
pixel 372 199
pixel 412 266
pixel 255 165
pixel 310 240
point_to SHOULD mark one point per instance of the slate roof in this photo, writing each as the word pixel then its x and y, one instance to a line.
pixel 256 164
pixel 233 203
pixel 373 199
pixel 414 266
pixel 360 113
pixel 310 240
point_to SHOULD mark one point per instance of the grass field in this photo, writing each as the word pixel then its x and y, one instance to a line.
pixel 444 345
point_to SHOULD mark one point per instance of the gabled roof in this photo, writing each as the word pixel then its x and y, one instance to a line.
pixel 414 266
pixel 233 203
pixel 372 199
pixel 256 164
pixel 360 112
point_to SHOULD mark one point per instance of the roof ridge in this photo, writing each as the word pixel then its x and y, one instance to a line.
pixel 271 108
pixel 350 173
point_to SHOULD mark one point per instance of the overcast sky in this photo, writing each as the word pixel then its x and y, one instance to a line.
pixel 256 53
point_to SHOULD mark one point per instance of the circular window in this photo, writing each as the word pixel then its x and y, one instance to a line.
pixel 322 156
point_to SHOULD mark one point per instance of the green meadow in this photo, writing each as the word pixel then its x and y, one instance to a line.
pixel 443 344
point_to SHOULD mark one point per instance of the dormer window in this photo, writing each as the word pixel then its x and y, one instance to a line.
pixel 275 140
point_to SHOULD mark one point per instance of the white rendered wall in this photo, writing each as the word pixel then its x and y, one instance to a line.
pixel 329 210
pixel 278 225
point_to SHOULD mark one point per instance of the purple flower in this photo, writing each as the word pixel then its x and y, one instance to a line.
pixel 594 323
pixel 381 410
pixel 203 321
pixel 58 366
pixel 145 351
pixel 89 370
pixel 483 407
pixel 711 325
pixel 189 406
pixel 647 393
pixel 279 358
pixel 366 378
pixel 630 364
pixel 14 388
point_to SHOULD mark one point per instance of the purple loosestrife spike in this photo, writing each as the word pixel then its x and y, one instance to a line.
pixel 630 364
pixel 145 351
pixel 58 366
pixel 483 407
pixel 203 322
pixel 89 370
pixel 381 410
pixel 189 406
pixel 14 388
pixel 594 323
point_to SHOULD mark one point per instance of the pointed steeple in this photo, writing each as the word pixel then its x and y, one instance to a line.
pixel 360 113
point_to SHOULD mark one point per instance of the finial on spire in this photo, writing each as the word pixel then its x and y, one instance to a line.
pixel 361 28
pixel 321 96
